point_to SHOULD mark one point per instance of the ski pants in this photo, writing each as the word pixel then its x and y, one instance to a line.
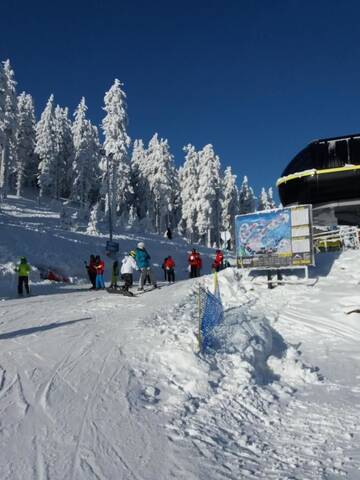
pixel 170 275
pixel 23 281
pixel 144 273
pixel 128 279
pixel 100 281
pixel 114 279
pixel 194 271
pixel 92 277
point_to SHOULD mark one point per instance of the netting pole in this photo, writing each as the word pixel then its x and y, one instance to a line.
pixel 215 282
pixel 199 316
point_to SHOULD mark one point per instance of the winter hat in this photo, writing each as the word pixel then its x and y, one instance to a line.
pixel 132 253
pixel 141 245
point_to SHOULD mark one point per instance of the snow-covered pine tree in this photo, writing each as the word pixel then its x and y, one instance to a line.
pixel 247 200
pixel 47 150
pixel 209 194
pixel 189 186
pixel 65 147
pixel 139 175
pixel 229 203
pixel 162 177
pixel 95 218
pixel 26 160
pixel 271 200
pixel 115 165
pixel 263 201
pixel 8 126
pixel 86 159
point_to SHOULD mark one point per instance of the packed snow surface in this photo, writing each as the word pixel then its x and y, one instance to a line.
pixel 99 386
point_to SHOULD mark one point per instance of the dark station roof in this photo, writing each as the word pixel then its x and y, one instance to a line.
pixel 326 153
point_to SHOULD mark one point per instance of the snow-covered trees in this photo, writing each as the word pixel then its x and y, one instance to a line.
pixel 117 189
pixel 229 202
pixel 54 146
pixel 47 148
pixel 86 158
pixel 68 162
pixel 189 186
pixel 26 160
pixel 247 200
pixel 163 183
pixel 65 149
pixel 209 194
pixel 263 201
pixel 271 200
pixel 139 174
pixel 8 125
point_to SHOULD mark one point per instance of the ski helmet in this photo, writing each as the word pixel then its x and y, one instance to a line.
pixel 141 245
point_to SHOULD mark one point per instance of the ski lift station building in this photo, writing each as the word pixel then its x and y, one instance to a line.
pixel 325 174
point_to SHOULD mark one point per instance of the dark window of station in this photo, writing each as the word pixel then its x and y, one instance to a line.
pixel 354 148
pixel 321 157
pixel 341 153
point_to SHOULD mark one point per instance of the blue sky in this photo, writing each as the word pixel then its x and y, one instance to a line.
pixel 257 79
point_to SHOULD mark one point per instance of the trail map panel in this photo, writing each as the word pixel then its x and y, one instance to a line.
pixel 275 238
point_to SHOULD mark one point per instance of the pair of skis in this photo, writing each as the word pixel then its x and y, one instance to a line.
pixel 128 293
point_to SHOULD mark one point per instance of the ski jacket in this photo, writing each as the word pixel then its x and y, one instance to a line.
pixel 142 258
pixel 169 264
pixel 128 265
pixel 100 267
pixel 198 260
pixel 23 269
pixel 92 266
pixel 193 259
pixel 219 259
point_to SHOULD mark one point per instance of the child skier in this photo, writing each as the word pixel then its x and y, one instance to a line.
pixel 195 263
pixel 127 268
pixel 114 275
pixel 169 265
pixel 23 269
pixel 218 262
pixel 100 268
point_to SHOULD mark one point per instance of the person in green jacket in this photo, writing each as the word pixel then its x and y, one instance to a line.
pixel 23 269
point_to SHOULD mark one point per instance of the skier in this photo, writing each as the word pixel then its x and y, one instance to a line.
pixel 23 269
pixel 168 234
pixel 193 261
pixel 91 269
pixel 100 267
pixel 114 274
pixel 218 262
pixel 127 268
pixel 163 267
pixel 143 262
pixel 169 265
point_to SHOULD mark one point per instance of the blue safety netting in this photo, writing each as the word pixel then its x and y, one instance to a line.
pixel 212 315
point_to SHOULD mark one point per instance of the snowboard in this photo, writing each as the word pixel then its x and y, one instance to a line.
pixel 120 291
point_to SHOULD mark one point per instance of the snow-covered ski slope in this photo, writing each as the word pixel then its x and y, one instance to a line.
pixel 99 386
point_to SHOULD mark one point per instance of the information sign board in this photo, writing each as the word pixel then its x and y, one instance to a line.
pixel 275 238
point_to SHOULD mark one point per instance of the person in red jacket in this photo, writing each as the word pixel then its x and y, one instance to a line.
pixel 169 266
pixel 100 268
pixel 199 264
pixel 218 262
pixel 193 263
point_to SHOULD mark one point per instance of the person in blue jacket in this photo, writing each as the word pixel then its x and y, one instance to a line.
pixel 142 259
